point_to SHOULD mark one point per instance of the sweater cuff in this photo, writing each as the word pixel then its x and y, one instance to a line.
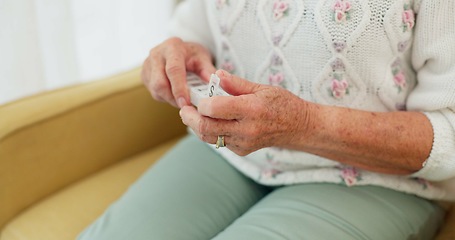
pixel 441 163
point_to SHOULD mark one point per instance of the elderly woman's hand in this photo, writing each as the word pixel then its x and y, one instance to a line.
pixel 164 70
pixel 259 116
pixel 254 117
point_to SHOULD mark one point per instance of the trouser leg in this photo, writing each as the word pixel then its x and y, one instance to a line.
pixel 191 193
pixel 329 211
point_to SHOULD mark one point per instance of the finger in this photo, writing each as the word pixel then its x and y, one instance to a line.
pixel 235 85
pixel 193 120
pixel 199 61
pixel 206 128
pixel 158 84
pixel 207 70
pixel 204 68
pixel 228 107
pixel 176 73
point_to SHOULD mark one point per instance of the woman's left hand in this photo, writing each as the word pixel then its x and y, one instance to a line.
pixel 254 117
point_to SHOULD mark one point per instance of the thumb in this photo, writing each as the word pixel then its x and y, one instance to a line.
pixel 235 85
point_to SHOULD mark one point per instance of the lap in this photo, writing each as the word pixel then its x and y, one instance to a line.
pixel 192 193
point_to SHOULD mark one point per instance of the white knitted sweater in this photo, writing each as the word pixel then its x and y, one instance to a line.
pixel 375 55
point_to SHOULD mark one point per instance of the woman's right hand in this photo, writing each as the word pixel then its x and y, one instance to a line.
pixel 164 70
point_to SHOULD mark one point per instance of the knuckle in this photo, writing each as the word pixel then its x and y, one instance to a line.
pixel 174 40
pixel 155 60
pixel 258 108
pixel 203 127
pixel 156 95
pixel 175 46
pixel 158 86
pixel 158 89
pixel 172 69
pixel 153 51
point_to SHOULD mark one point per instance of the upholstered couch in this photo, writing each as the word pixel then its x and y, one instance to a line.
pixel 65 155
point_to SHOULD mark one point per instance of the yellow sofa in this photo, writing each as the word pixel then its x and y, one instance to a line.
pixel 65 155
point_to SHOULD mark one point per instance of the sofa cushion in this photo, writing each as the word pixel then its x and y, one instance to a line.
pixel 65 214
pixel 53 139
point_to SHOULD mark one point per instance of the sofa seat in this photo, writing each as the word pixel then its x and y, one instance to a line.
pixel 65 214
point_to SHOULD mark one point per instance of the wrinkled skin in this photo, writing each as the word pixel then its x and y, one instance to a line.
pixel 256 116
pixel 164 70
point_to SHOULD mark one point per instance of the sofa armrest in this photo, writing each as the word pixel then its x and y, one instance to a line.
pixel 53 139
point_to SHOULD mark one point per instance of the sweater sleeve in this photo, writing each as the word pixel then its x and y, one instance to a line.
pixel 433 58
pixel 190 22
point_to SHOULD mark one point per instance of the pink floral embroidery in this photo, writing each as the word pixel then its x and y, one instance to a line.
pixel 280 9
pixel 341 10
pixel 339 88
pixel 270 173
pixel 221 3
pixel 228 66
pixel 276 79
pixel 408 18
pixel 400 80
pixel 399 77
pixel 425 184
pixel 350 176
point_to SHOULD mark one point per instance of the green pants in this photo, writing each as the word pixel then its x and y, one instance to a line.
pixel 192 193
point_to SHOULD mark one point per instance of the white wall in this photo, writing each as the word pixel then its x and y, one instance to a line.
pixel 46 44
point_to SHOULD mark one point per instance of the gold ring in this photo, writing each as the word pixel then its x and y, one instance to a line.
pixel 220 142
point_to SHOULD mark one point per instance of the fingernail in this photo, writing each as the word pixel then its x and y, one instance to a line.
pixel 221 73
pixel 181 117
pixel 181 102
